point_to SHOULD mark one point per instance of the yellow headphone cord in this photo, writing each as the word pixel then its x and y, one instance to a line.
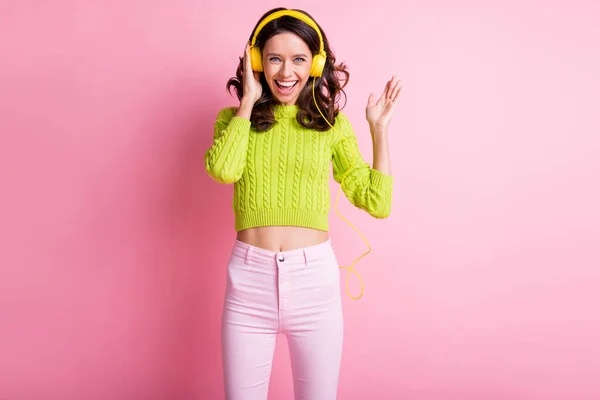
pixel 351 267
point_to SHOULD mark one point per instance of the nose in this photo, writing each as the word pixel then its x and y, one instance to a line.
pixel 286 69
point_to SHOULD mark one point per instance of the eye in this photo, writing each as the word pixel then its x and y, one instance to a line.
pixel 299 59
pixel 274 59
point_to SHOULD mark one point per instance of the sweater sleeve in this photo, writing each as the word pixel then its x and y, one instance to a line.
pixel 225 159
pixel 365 187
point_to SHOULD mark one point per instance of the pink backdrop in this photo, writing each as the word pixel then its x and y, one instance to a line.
pixel 484 283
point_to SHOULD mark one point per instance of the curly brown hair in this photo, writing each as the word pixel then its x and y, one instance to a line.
pixel 329 87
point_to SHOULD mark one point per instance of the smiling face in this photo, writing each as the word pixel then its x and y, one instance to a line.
pixel 286 64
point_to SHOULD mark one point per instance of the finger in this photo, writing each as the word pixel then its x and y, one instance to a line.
pixel 247 53
pixel 393 86
pixel 372 100
pixel 384 94
pixel 244 57
pixel 397 95
pixel 248 63
pixel 395 82
pixel 396 91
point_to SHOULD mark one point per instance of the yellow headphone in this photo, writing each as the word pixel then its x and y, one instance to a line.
pixel 316 70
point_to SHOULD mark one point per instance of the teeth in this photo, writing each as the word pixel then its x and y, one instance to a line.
pixel 286 84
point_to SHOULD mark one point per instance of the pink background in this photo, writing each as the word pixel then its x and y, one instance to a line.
pixel 484 283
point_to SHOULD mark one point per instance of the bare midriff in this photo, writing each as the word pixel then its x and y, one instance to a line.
pixel 282 238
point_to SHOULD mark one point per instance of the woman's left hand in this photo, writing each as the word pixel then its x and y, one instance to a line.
pixel 379 112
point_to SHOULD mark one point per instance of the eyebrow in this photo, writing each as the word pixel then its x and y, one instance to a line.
pixel 295 55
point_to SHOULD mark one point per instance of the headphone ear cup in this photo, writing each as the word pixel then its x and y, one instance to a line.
pixel 256 59
pixel 318 65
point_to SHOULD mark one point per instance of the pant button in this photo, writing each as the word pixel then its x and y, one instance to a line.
pixel 281 258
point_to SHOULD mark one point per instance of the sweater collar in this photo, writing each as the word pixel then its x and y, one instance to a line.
pixel 281 111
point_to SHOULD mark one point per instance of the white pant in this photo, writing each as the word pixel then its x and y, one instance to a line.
pixel 296 293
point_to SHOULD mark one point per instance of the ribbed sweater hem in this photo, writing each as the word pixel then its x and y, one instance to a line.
pixel 281 217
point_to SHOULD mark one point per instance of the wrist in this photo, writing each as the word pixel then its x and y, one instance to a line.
pixel 378 131
pixel 246 102
pixel 245 108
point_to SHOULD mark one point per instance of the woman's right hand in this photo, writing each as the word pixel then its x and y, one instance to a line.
pixel 251 80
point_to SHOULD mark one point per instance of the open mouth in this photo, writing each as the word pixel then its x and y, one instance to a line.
pixel 286 86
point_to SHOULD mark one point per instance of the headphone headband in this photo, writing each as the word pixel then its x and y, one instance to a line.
pixel 291 13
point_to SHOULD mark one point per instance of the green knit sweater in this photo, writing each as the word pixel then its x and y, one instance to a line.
pixel 281 176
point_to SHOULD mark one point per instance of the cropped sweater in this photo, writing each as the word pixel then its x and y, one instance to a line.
pixel 280 176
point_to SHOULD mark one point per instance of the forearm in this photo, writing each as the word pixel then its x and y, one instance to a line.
pixel 367 187
pixel 225 158
pixel 381 154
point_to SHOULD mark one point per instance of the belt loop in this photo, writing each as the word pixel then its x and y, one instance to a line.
pixel 305 257
pixel 248 253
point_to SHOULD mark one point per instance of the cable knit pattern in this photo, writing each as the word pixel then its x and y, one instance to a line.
pixel 227 155
pixel 319 177
pixel 325 175
pixel 266 158
pixel 252 173
pixel 240 191
pixel 297 166
pixel 314 159
pixel 283 155
pixel 297 161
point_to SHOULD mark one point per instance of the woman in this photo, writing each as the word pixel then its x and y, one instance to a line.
pixel 277 148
